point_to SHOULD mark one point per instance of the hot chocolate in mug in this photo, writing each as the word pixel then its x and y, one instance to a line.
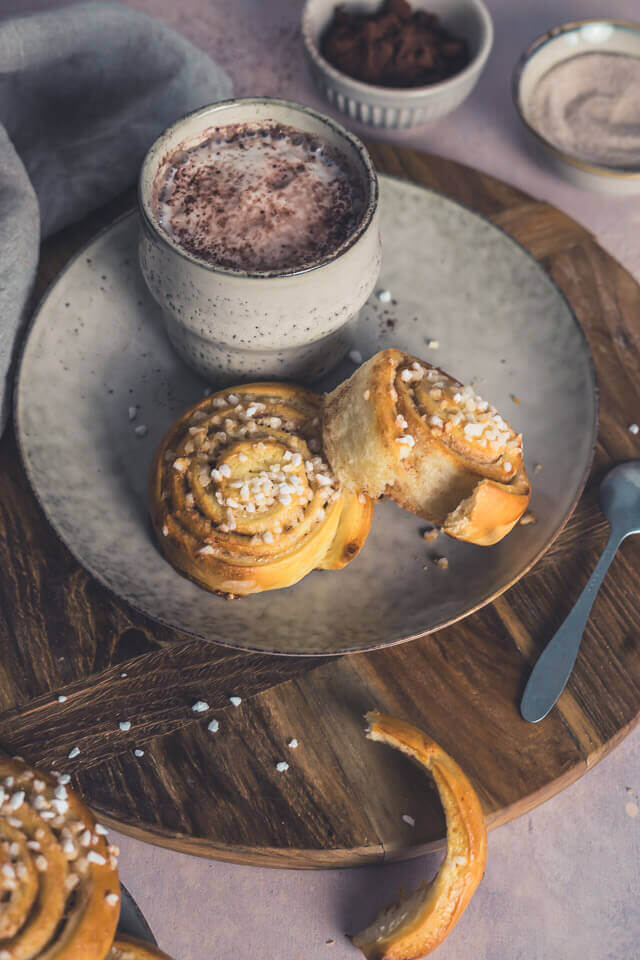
pixel 279 306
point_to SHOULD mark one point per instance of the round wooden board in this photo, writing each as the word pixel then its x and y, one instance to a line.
pixel 342 800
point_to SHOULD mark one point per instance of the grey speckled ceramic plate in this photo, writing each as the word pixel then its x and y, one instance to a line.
pixel 97 346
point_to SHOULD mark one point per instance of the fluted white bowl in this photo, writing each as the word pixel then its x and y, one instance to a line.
pixel 391 107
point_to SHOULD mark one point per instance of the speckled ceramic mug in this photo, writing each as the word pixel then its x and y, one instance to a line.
pixel 231 324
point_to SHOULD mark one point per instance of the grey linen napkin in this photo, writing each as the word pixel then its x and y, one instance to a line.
pixel 84 91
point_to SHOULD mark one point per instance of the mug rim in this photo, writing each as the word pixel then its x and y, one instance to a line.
pixel 354 142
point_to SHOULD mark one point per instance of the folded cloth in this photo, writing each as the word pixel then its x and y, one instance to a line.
pixel 84 91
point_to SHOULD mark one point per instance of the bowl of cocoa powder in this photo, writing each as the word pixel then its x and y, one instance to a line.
pixel 396 63
pixel 576 92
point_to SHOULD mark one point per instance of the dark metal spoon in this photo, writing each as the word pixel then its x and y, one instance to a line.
pixel 620 502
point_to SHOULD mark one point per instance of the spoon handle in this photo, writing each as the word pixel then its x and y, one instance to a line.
pixel 550 675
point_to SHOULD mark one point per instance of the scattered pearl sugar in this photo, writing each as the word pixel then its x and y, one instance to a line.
pixel 200 706
pixel 633 428
pixel 236 701
pixel 293 743
pixel 355 356
pixel 112 899
pixel 142 430
pixel 133 413
pixel 384 296
pixel 62 698
pixel 138 753
pixel 282 766
pixel 73 753
pixel 213 726
pixel 408 819
pixel 125 725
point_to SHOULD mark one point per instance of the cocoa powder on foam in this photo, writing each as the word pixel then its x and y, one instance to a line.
pixel 259 197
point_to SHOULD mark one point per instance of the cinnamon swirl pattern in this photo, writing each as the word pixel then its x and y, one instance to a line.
pixel 241 497
pixel 59 889
pixel 403 428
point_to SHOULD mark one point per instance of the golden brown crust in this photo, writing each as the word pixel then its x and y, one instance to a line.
pixel 48 833
pixel 240 497
pixel 127 948
pixel 401 427
pixel 416 925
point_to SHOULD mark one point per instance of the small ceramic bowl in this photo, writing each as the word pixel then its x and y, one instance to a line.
pixel 391 107
pixel 560 44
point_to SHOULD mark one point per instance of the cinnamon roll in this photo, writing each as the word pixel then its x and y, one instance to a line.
pixel 241 498
pixel 59 889
pixel 403 428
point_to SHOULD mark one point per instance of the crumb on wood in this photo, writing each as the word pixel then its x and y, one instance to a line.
pixel 430 534
pixel 537 468
pixel 515 398
pixel 528 518
pixel 442 562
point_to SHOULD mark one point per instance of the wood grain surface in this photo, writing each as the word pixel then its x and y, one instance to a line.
pixel 343 798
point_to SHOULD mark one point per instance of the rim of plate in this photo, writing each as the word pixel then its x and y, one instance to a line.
pixel 247 648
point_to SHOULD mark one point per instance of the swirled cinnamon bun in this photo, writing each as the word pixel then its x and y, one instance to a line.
pixel 59 888
pixel 403 428
pixel 241 497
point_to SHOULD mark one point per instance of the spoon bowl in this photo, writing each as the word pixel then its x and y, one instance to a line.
pixel 620 497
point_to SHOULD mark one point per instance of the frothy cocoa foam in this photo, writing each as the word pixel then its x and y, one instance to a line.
pixel 259 197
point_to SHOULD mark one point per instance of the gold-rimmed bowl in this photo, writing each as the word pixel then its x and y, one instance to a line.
pixel 555 47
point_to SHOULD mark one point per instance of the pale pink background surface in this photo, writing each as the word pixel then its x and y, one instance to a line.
pixel 562 883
